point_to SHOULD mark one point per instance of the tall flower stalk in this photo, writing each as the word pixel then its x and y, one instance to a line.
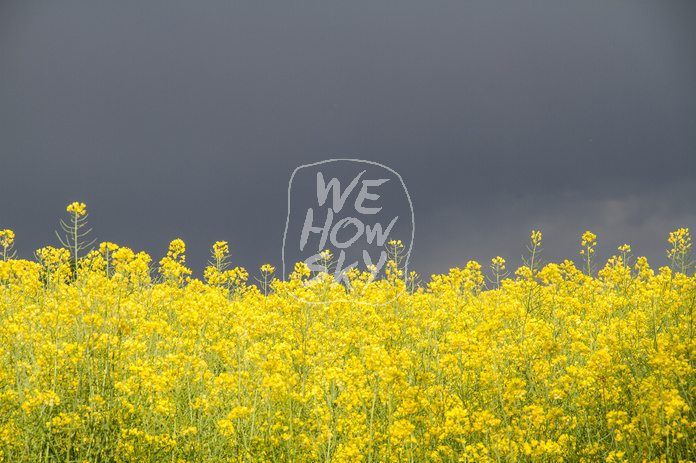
pixel 74 239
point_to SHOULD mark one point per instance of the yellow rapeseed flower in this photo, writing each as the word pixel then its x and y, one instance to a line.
pixel 77 208
pixel 6 238
pixel 267 268
pixel 220 249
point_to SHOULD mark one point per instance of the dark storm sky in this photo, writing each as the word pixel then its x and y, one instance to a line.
pixel 174 119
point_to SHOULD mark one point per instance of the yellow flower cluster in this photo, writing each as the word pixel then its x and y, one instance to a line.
pixel 220 250
pixel 6 242
pixel 680 255
pixel 6 238
pixel 172 267
pixel 588 242
pixel 77 208
pixel 553 366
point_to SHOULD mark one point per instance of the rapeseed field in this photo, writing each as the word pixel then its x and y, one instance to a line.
pixel 106 356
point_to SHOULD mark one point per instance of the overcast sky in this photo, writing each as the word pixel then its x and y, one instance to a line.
pixel 179 119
